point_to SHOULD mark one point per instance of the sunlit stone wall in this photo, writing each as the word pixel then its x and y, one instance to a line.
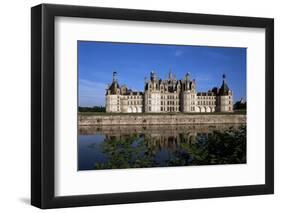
pixel 148 119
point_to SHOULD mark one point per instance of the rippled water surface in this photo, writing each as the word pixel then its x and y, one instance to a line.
pixel 120 147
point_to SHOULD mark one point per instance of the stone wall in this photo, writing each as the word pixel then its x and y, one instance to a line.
pixel 148 119
pixel 163 130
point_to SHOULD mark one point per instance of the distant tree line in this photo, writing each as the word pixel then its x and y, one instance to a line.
pixel 240 105
pixel 92 109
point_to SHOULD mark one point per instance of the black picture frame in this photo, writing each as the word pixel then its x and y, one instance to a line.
pixel 43 114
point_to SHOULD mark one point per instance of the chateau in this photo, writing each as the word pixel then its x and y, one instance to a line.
pixel 170 95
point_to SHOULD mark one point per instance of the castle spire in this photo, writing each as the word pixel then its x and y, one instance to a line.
pixel 170 74
pixel 224 79
pixel 187 76
pixel 114 74
pixel 224 87
pixel 153 76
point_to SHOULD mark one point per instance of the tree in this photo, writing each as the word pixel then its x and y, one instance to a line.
pixel 92 109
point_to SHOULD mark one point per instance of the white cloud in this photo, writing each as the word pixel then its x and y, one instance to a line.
pixel 91 93
pixel 178 53
pixel 217 55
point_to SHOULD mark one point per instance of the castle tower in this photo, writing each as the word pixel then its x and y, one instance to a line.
pixel 152 94
pixel 170 76
pixel 112 101
pixel 188 95
pixel 153 76
pixel 225 98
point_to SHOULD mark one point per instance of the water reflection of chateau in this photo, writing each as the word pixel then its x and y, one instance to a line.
pixel 170 95
pixel 158 137
pixel 169 142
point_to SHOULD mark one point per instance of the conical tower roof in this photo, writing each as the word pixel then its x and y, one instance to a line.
pixel 224 90
pixel 114 85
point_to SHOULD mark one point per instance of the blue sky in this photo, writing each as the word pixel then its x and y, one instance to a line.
pixel 132 62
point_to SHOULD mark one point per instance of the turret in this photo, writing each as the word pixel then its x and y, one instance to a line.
pixel 112 95
pixel 170 76
pixel 114 76
pixel 187 76
pixel 188 94
pixel 114 88
pixel 224 90
pixel 225 102
pixel 153 76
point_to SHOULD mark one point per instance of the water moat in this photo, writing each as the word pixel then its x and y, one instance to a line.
pixel 145 146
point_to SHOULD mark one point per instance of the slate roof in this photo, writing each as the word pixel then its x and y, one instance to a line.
pixel 113 87
pixel 224 88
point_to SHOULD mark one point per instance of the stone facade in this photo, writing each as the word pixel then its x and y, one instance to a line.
pixel 170 95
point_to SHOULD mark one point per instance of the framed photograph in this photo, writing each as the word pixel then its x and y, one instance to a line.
pixel 139 106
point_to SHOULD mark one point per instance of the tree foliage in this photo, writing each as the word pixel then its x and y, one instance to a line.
pixel 142 151
pixel 92 109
